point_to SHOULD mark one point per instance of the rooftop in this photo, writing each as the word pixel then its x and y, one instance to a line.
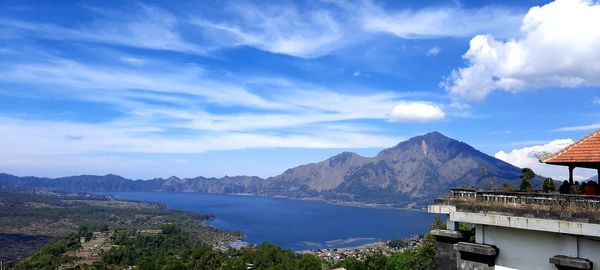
pixel 585 151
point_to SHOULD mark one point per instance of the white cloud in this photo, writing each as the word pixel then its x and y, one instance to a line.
pixel 294 114
pixel 280 28
pixel 295 102
pixel 579 128
pixel 556 47
pixel 439 22
pixel 147 27
pixel 318 29
pixel 182 80
pixel 21 138
pixel 130 147
pixel 415 112
pixel 433 51
pixel 525 157
pixel 305 31
pixel 138 62
pixel 596 100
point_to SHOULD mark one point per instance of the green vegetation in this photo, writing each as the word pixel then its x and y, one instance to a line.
pixel 173 248
pixel 548 185
pixel 421 258
pixel 31 218
pixel 177 248
pixel 527 175
pixel 56 214
pixel 52 255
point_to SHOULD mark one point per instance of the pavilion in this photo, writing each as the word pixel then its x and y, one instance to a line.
pixel 584 153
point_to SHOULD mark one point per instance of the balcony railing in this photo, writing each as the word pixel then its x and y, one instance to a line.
pixel 553 201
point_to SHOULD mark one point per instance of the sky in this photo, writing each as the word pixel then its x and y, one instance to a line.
pixel 214 88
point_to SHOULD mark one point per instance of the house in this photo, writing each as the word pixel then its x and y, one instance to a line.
pixel 518 230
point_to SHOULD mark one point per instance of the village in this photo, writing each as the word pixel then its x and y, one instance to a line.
pixel 334 255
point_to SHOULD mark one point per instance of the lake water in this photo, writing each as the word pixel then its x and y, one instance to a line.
pixel 295 224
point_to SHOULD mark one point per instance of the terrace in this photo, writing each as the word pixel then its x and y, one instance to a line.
pixel 525 230
pixel 567 207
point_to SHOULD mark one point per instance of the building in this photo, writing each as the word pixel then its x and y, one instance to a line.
pixel 517 230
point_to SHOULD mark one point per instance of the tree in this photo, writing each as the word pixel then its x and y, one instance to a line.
pixel 211 259
pixel 549 185
pixel 421 258
pixel 352 264
pixel 309 262
pixel 437 223
pixel 527 175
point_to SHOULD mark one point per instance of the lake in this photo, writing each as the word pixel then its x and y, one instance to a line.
pixel 295 224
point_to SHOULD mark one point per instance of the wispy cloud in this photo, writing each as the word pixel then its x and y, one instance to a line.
pixel 579 128
pixel 298 114
pixel 305 31
pixel 280 28
pixel 22 138
pixel 440 22
pixel 433 51
pixel 144 27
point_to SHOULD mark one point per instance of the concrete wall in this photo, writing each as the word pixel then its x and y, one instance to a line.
pixel 525 249
pixel 445 256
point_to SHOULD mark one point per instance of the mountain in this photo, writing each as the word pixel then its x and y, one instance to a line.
pixel 411 173
pixel 414 171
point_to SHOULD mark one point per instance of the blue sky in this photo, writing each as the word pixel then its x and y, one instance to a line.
pixel 187 88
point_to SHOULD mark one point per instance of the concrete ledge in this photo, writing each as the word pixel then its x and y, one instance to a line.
pixel 480 249
pixel 447 234
pixel 566 262
pixel 441 209
pixel 527 223
pixel 476 256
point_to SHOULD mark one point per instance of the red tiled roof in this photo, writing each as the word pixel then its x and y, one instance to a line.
pixel 586 150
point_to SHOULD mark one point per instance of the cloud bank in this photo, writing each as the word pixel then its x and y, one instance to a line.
pixel 557 47
pixel 525 157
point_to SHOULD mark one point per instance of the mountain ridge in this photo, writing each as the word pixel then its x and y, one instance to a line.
pixel 411 173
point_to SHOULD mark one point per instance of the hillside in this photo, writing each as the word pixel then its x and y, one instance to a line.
pixel 411 173
pixel 414 171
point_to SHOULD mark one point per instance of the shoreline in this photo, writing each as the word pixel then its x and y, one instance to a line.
pixel 318 246
pixel 342 203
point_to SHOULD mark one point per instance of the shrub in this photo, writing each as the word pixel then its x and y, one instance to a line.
pixel 549 185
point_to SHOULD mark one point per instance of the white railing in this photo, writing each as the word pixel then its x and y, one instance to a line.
pixel 524 198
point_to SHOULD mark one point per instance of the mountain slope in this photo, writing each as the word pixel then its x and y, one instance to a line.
pixel 414 171
pixel 411 173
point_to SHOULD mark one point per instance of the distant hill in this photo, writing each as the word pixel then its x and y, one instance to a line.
pixel 411 174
